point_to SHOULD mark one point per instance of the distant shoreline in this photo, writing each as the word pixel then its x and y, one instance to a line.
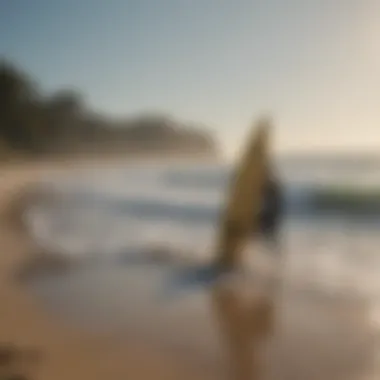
pixel 84 160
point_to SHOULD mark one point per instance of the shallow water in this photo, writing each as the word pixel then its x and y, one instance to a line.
pixel 312 314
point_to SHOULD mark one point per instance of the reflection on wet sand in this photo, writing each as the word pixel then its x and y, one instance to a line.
pixel 313 338
pixel 281 332
pixel 244 324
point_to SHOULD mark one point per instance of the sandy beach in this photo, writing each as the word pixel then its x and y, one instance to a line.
pixel 63 353
pixel 318 339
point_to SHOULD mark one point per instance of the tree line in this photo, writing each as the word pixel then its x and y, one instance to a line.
pixel 34 123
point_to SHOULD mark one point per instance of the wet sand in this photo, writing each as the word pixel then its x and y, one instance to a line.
pixel 280 333
pixel 221 333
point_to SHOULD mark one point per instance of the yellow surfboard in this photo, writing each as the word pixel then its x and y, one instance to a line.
pixel 238 220
pixel 244 198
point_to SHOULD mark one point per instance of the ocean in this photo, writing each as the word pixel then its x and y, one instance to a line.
pixel 103 217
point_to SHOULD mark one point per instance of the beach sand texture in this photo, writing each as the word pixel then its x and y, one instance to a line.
pixel 62 352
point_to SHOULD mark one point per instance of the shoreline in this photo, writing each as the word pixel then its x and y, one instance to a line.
pixel 67 352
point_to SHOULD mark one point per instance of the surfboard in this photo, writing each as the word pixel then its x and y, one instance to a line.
pixel 238 219
pixel 244 198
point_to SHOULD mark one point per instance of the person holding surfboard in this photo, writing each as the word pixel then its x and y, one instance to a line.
pixel 271 212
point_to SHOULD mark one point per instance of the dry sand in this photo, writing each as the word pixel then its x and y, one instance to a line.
pixel 67 353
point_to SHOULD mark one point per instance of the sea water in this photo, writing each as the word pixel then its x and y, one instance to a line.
pixel 110 220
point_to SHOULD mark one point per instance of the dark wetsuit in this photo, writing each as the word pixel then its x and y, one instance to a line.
pixel 272 210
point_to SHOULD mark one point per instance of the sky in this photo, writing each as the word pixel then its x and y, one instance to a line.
pixel 311 64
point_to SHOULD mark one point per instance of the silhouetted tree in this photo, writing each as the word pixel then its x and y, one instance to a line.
pixel 34 123
pixel 19 112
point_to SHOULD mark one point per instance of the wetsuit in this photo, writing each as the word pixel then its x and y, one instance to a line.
pixel 271 212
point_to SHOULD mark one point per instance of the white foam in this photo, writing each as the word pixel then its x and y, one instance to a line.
pixel 322 255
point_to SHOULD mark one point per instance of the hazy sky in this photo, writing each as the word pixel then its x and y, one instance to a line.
pixel 314 64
